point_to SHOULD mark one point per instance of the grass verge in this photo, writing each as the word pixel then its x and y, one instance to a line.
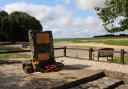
pixel 117 59
pixel 15 55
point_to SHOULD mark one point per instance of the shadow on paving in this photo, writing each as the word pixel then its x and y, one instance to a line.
pixel 14 78
pixel 43 83
pixel 74 67
pixel 10 81
pixel 17 82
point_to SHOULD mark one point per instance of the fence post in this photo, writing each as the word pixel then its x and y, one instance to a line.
pixel 65 51
pixel 90 53
pixel 122 56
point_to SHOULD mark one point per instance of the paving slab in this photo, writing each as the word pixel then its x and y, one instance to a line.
pixel 13 77
pixel 102 83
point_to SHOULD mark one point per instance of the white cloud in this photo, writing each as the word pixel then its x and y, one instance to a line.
pixel 56 31
pixel 59 20
pixel 62 21
pixel 77 27
pixel 59 9
pixel 66 2
pixel 86 27
pixel 89 4
pixel 41 12
pixel 88 21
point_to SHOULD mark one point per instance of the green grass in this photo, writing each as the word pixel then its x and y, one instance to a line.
pixel 77 40
pixel 112 42
pixel 15 55
pixel 12 55
pixel 117 59
pixel 105 40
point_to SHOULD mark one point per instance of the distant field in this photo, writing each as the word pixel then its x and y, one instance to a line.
pixel 106 40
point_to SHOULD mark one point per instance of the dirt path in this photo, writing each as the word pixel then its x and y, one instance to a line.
pixel 91 44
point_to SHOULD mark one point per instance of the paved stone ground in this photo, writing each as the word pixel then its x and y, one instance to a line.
pixel 102 83
pixel 125 86
pixel 13 77
pixel 96 66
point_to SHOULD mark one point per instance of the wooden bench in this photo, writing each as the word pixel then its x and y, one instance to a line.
pixel 104 52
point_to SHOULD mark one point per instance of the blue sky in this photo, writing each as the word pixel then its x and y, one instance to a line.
pixel 66 18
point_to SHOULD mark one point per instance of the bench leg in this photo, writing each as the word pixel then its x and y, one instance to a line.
pixel 112 58
pixel 98 58
pixel 107 58
pixel 93 56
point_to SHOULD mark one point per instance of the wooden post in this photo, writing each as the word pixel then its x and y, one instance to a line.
pixel 90 53
pixel 122 56
pixel 65 51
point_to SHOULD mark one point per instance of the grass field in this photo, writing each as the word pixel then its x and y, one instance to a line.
pixel 123 41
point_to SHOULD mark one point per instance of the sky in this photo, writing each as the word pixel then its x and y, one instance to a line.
pixel 65 18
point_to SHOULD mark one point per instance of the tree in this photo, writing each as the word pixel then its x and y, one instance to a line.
pixel 4 25
pixel 15 26
pixel 21 24
pixel 110 14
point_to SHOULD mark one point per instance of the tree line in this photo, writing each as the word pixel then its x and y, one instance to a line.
pixel 112 35
pixel 15 26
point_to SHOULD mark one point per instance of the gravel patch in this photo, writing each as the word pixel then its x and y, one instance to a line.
pixel 95 65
